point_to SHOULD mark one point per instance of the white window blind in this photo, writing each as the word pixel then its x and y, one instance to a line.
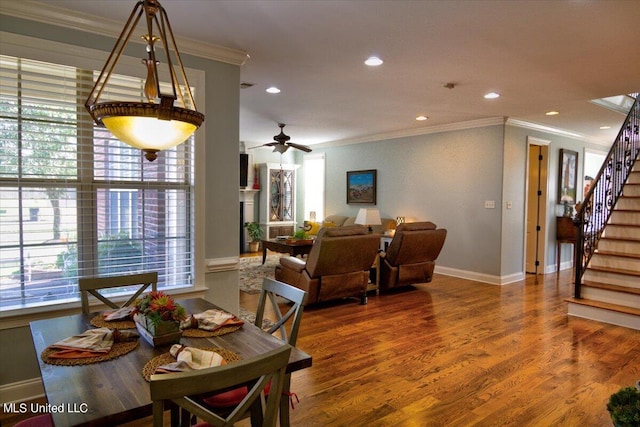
pixel 75 201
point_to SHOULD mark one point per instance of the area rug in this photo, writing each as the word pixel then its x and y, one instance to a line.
pixel 252 272
pixel 250 317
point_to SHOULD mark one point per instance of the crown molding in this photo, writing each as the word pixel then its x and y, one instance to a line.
pixel 555 131
pixel 471 124
pixel 48 14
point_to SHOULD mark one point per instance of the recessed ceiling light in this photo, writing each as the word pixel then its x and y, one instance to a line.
pixel 552 113
pixel 492 95
pixel 421 118
pixel 373 61
pixel 605 127
pixel 273 89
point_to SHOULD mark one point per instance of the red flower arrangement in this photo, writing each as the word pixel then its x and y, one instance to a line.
pixel 158 307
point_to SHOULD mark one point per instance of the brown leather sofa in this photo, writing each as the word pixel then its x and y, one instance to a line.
pixel 337 266
pixel 343 221
pixel 410 257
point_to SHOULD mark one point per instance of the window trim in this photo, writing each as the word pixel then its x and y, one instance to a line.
pixel 76 56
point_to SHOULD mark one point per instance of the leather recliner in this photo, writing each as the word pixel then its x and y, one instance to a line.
pixel 337 266
pixel 410 257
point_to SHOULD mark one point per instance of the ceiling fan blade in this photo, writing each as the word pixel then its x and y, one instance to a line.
pixel 270 144
pixel 300 147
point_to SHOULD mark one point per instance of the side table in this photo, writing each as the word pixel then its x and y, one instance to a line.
pixel 374 276
pixel 282 246
pixel 565 233
pixel 374 283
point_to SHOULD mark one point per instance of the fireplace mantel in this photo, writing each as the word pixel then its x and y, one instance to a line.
pixel 247 194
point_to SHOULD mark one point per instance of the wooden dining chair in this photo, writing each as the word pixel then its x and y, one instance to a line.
pixel 276 293
pixel 43 420
pixel 92 285
pixel 259 371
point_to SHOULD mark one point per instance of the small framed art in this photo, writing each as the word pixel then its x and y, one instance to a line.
pixel 361 186
pixel 568 176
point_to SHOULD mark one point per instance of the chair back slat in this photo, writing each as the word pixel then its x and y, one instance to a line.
pixel 92 285
pixel 275 292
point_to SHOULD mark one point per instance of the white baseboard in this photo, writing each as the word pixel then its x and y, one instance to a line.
pixel 22 390
pixel 552 268
pixel 603 315
pixel 480 277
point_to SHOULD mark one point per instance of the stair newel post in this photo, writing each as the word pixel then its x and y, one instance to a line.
pixel 579 252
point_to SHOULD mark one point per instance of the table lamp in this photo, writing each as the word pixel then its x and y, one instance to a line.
pixel 368 217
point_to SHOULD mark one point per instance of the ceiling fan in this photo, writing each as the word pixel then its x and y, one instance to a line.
pixel 281 142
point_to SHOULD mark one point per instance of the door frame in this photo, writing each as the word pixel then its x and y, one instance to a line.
pixel 543 212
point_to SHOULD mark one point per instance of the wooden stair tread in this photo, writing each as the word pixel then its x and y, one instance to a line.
pixel 615 270
pixel 605 305
pixel 621 224
pixel 618 254
pixel 607 286
pixel 621 239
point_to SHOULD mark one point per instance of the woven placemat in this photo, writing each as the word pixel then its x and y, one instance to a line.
pixel 118 349
pixel 201 333
pixel 99 322
pixel 151 366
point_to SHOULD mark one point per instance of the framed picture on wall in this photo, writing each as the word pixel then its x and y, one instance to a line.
pixel 361 186
pixel 568 176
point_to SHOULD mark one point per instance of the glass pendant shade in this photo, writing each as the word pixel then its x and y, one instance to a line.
pixel 157 124
pixel 147 133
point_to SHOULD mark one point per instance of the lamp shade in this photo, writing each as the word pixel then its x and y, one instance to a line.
pixel 148 133
pixel 368 217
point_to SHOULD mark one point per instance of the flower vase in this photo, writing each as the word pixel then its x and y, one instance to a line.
pixel 158 333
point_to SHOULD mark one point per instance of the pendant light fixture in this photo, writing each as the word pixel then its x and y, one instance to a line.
pixel 154 124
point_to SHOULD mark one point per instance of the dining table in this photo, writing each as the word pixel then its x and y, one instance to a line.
pixel 114 392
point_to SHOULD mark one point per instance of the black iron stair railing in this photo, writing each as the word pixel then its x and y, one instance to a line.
pixel 606 189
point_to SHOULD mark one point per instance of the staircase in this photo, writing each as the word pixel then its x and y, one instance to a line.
pixel 611 282
pixel 607 281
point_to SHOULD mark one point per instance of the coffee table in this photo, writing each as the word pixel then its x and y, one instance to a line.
pixel 281 246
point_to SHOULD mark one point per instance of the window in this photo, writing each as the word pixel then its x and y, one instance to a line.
pixel 314 186
pixel 75 201
pixel 593 161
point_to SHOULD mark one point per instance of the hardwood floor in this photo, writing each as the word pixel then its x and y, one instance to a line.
pixel 459 353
